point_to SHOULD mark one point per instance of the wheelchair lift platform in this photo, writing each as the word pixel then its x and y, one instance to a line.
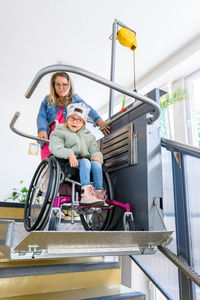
pixel 18 244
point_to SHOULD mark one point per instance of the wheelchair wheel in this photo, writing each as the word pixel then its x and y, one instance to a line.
pixel 100 219
pixel 42 191
pixel 55 186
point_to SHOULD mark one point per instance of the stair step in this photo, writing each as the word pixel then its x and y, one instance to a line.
pixel 35 277
pixel 114 292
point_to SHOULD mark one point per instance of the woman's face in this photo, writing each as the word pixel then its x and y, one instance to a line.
pixel 74 123
pixel 61 86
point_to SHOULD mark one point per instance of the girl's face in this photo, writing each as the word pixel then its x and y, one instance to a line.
pixel 74 123
pixel 62 86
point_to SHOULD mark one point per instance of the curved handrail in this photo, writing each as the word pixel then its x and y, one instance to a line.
pixel 17 114
pixel 99 79
pixel 12 123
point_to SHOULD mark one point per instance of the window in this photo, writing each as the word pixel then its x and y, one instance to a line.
pixel 193 109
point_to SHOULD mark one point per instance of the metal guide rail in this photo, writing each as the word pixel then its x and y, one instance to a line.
pixel 18 244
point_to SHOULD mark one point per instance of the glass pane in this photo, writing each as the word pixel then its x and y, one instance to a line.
pixel 192 176
pixel 168 196
pixel 194 109
pixel 165 273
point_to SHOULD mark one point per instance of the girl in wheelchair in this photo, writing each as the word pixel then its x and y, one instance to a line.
pixel 74 142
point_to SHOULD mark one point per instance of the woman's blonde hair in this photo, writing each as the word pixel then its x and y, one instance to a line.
pixel 53 97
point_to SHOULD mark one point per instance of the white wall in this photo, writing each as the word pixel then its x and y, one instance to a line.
pixel 16 163
pixel 133 277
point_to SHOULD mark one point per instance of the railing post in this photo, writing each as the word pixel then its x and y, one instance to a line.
pixel 181 220
pixel 112 72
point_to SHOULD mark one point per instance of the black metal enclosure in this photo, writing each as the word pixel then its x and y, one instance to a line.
pixel 132 154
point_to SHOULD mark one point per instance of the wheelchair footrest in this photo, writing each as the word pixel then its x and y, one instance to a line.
pixel 82 210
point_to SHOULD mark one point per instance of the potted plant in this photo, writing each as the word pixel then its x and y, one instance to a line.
pixel 18 194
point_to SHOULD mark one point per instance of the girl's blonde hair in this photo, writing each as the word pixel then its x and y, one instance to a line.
pixel 53 97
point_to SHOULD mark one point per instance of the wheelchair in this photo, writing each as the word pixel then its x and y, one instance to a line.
pixel 54 185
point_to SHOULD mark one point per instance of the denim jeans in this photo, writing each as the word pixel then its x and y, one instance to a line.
pixel 85 167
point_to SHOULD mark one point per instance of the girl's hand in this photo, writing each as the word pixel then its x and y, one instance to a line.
pixel 43 135
pixel 106 128
pixel 73 161
pixel 96 158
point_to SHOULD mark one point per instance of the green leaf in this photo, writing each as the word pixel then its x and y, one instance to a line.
pixel 178 95
pixel 24 190
pixel 15 197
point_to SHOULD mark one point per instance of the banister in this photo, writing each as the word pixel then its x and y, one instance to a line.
pixel 177 146
pixel 12 123
pixel 155 109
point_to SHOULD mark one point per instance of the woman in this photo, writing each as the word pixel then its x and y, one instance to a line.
pixel 54 107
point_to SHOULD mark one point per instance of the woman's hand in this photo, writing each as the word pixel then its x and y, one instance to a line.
pixel 73 161
pixel 106 128
pixel 96 158
pixel 43 135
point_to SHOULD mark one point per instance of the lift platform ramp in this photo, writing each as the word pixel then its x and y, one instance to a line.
pixel 18 244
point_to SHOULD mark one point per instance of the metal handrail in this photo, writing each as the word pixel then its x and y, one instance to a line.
pixel 177 146
pixel 181 264
pixel 12 123
pixel 33 137
pixel 155 109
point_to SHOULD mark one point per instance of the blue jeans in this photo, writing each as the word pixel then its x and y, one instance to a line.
pixel 85 167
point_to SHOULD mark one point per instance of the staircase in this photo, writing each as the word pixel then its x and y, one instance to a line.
pixel 68 278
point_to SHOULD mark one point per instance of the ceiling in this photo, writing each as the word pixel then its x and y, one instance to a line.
pixel 38 33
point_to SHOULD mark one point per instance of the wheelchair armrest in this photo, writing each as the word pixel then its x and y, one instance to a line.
pixel 71 173
pixel 52 123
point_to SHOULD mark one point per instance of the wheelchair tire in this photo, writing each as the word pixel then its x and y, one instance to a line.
pixel 41 193
pixel 53 223
pixel 100 219
pixel 54 191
